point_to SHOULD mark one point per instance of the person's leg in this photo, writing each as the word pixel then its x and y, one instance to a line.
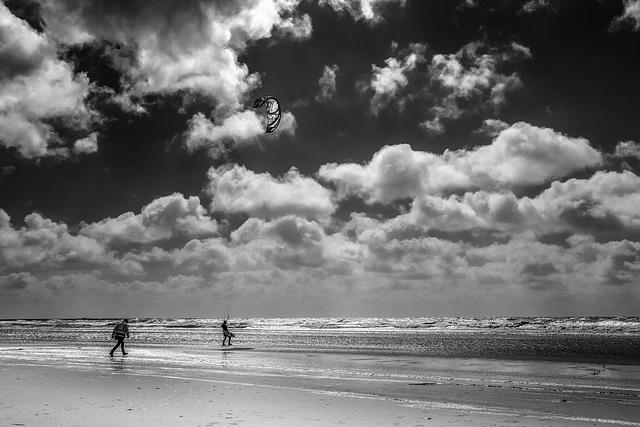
pixel 122 346
pixel 114 348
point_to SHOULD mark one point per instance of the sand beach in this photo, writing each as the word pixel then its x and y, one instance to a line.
pixel 53 385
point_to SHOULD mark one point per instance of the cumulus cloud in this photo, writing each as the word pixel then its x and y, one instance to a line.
pixel 630 15
pixel 198 256
pixel 157 49
pixel 36 86
pixel 164 218
pixel 625 149
pixel 450 85
pixel 370 11
pixel 327 83
pixel 520 155
pixel 524 155
pixel 472 75
pixel 295 27
pixel 16 281
pixel 192 47
pixel 288 242
pixel 532 6
pixel 389 82
pixel 492 127
pixel 433 127
pixel 394 172
pixel 399 251
pixel 239 129
pixel 86 145
pixel 605 203
pixel 44 243
pixel 236 189
pixel 602 206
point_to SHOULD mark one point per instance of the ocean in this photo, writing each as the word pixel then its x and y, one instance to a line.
pixel 597 340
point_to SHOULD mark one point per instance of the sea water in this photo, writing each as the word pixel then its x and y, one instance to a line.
pixel 598 340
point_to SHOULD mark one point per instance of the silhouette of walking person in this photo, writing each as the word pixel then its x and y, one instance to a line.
pixel 119 332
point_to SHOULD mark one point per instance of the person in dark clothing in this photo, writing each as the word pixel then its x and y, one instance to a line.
pixel 226 333
pixel 119 332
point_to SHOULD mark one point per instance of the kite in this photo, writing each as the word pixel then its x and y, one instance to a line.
pixel 273 111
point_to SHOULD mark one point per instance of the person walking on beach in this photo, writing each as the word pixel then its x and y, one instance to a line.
pixel 119 332
pixel 226 332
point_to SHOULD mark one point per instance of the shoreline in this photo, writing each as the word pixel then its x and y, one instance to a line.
pixel 192 387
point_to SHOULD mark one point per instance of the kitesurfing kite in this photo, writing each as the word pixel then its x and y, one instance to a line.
pixel 273 111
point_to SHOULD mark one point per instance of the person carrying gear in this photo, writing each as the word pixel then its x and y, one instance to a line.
pixel 119 333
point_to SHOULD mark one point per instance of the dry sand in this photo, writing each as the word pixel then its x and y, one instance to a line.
pixel 121 392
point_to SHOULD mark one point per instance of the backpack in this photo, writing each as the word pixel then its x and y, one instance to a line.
pixel 119 331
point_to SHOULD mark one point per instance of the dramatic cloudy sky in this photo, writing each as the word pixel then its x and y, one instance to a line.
pixel 435 158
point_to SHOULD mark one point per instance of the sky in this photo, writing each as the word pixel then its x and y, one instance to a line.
pixel 434 158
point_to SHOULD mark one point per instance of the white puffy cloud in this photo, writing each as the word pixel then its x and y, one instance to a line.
pixel 472 74
pixel 627 149
pixel 295 27
pixel 433 127
pixel 236 189
pixel 404 257
pixel 86 145
pixel 605 203
pixel 394 172
pixel 288 242
pixel 36 86
pixel 158 49
pixel 327 83
pixel 631 15
pixel 388 83
pixel 237 130
pixel 532 6
pixel 520 155
pixel 43 243
pixel 524 154
pixel 201 256
pixel 468 81
pixel 164 218
pixel 492 127
pixel 193 47
pixel 46 246
pixel 581 267
pixel 367 10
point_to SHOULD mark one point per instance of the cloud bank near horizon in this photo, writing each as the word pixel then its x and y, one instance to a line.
pixel 466 224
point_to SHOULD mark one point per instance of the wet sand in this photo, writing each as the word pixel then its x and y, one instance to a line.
pixel 54 386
